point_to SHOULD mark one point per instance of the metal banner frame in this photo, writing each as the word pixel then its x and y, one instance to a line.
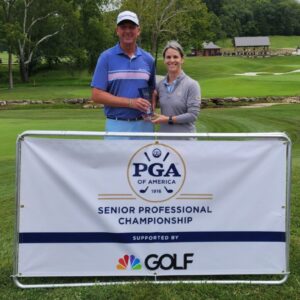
pixel 199 136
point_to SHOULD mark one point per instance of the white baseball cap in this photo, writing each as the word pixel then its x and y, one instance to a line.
pixel 128 16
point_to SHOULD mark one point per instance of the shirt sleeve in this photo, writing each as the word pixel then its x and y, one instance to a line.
pixel 100 77
pixel 193 104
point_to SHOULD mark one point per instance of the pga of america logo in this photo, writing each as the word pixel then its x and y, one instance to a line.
pixel 156 172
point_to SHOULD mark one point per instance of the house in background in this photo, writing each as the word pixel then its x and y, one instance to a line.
pixel 252 46
pixel 208 49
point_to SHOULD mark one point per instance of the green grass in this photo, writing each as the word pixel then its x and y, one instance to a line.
pixel 13 122
pixel 55 85
pixel 278 41
pixel 45 92
pixel 216 76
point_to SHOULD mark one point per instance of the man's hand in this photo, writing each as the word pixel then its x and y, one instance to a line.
pixel 105 98
pixel 140 104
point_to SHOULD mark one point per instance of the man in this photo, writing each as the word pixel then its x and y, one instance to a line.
pixel 120 74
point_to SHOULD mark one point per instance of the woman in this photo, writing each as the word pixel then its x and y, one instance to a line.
pixel 178 94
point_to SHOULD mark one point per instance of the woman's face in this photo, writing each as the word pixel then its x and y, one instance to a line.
pixel 173 61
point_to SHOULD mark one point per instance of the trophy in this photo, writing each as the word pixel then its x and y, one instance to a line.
pixel 146 93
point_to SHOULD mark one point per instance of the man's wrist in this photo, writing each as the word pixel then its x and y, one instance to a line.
pixel 130 104
pixel 170 120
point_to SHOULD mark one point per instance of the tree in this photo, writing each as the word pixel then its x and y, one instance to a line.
pixel 258 17
pixel 35 12
pixel 157 18
pixel 214 6
pixel 89 29
pixel 163 20
pixel 10 33
pixel 289 17
pixel 97 30
pixel 198 25
pixel 66 46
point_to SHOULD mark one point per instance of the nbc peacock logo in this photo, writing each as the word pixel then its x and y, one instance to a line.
pixel 129 262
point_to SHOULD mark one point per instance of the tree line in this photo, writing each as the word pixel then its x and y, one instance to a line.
pixel 74 32
pixel 257 17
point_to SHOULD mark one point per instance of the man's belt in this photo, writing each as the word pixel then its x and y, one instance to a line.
pixel 124 119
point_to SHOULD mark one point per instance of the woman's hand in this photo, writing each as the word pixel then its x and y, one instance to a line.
pixel 158 119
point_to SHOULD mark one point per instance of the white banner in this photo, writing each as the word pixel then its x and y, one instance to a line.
pixel 138 208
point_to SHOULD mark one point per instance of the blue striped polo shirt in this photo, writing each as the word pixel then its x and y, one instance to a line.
pixel 120 75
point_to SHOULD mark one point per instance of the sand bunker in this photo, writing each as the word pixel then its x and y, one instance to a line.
pixel 266 73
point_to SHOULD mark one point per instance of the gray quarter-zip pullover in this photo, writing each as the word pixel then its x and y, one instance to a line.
pixel 183 102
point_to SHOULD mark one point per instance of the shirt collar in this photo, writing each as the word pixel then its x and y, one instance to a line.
pixel 178 79
pixel 166 83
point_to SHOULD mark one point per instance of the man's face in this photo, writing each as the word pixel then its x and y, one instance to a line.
pixel 128 32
